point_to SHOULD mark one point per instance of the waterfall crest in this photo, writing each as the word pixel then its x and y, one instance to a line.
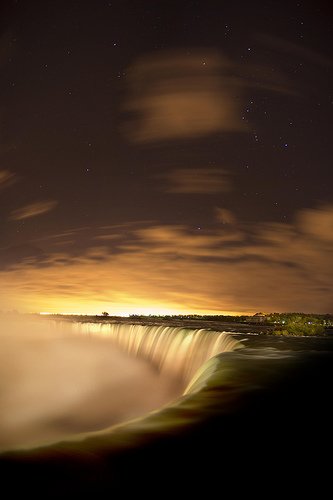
pixel 175 350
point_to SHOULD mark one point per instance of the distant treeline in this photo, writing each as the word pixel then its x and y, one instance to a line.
pixel 297 324
pixel 289 324
pixel 203 317
pixel 294 324
pixel 282 318
pixel 268 318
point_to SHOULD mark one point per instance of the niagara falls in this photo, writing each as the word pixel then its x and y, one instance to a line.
pixel 82 394
pixel 75 377
pixel 166 249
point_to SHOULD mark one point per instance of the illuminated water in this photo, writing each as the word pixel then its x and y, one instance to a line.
pixel 261 413
pixel 173 350
pixel 60 379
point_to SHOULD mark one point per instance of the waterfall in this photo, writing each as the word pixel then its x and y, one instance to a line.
pixel 175 350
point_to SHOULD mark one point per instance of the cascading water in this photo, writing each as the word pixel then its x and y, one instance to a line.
pixel 174 350
pixel 73 377
pixel 238 414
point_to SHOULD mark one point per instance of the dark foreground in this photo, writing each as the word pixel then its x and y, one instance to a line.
pixel 259 425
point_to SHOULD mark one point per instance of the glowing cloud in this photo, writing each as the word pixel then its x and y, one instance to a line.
pixel 178 269
pixel 33 209
pixel 177 95
pixel 6 178
pixel 317 223
pixel 197 181
pixel 225 216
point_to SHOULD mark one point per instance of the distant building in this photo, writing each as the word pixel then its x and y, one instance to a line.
pixel 258 317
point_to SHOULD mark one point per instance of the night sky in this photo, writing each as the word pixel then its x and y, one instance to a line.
pixel 166 156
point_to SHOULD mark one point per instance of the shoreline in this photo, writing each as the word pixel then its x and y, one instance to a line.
pixel 213 325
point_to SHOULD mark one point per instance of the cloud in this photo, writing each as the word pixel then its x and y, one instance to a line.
pixel 6 178
pixel 192 94
pixel 317 223
pixel 27 252
pixel 33 209
pixel 225 216
pixel 197 181
pixel 298 50
pixel 180 241
pixel 270 267
pixel 180 95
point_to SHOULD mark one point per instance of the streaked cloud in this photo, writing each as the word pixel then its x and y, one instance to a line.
pixel 298 50
pixel 7 178
pixel 106 237
pixel 317 223
pixel 197 181
pixel 181 241
pixel 181 95
pixel 192 94
pixel 271 266
pixel 33 209
pixel 225 216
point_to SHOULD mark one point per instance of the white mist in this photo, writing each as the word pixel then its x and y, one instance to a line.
pixel 55 383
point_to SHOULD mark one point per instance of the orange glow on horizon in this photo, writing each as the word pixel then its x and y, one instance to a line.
pixel 142 278
pixel 145 311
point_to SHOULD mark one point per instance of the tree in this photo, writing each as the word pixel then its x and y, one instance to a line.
pixel 105 313
pixel 301 325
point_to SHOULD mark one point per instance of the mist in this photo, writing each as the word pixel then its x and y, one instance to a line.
pixel 55 383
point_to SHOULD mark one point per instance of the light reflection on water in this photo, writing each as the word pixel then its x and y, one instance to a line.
pixel 60 379
pixel 251 417
pixel 174 350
